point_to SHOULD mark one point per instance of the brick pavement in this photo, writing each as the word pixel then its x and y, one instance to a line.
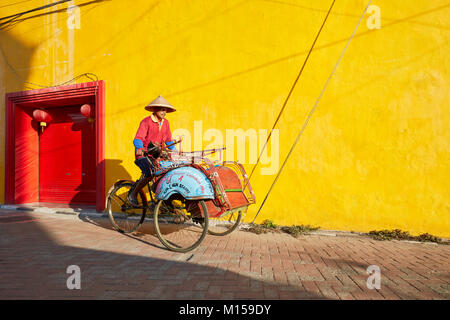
pixel 36 248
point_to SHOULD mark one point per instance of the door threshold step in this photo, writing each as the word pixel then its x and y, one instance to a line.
pixel 51 208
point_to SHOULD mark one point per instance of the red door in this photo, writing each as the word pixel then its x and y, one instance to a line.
pixel 67 158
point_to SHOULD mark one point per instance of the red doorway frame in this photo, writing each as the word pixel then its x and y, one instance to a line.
pixel 54 95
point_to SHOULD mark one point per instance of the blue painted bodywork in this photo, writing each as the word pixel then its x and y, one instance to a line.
pixel 187 181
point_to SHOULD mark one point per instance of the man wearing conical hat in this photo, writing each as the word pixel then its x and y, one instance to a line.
pixel 154 128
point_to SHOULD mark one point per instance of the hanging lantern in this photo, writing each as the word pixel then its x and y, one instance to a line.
pixel 43 117
pixel 86 111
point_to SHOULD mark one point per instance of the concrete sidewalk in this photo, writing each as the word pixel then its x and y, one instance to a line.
pixel 36 248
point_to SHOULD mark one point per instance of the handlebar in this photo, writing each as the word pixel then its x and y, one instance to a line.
pixel 155 150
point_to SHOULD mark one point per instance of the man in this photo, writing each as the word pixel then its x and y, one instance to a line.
pixel 155 129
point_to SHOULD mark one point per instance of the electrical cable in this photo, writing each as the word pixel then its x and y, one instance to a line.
pixel 312 110
pixel 88 75
pixel 12 18
pixel 15 3
pixel 35 9
pixel 291 90
pixel 15 16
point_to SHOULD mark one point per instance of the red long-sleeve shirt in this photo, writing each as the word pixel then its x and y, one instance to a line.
pixel 150 129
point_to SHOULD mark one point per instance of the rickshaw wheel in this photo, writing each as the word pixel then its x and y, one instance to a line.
pixel 124 217
pixel 181 228
pixel 224 224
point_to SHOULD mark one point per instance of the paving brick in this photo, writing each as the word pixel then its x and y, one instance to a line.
pixel 343 295
pixel 311 287
pixel 34 257
pixel 271 293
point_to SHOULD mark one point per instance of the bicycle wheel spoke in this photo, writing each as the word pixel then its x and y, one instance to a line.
pixel 125 218
pixel 117 196
pixel 225 223
pixel 176 227
pixel 114 197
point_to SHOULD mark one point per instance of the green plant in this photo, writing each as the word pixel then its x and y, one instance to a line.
pixel 257 229
pixel 268 224
pixel 397 234
pixel 428 237
pixel 297 230
pixel 390 235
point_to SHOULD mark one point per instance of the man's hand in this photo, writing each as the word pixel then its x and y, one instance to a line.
pixel 140 152
pixel 165 155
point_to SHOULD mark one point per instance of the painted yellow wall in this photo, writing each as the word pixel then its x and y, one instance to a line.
pixel 375 154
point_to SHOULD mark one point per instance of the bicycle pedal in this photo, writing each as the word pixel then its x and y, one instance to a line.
pixel 130 206
pixel 179 219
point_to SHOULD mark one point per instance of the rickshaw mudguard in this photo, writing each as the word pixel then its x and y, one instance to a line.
pixel 189 182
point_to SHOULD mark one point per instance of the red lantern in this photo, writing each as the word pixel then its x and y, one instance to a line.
pixel 86 111
pixel 43 117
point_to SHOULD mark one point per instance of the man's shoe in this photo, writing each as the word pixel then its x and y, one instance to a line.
pixel 132 195
pixel 132 200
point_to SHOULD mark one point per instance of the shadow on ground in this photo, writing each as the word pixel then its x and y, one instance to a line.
pixel 33 263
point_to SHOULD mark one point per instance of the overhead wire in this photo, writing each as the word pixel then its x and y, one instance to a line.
pixel 35 9
pixel 312 111
pixel 292 89
pixel 15 3
pixel 17 15
pixel 88 75
pixel 13 18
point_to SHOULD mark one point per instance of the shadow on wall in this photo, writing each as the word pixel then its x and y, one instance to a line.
pixel 15 58
pixel 114 172
pixel 40 13
pixel 15 66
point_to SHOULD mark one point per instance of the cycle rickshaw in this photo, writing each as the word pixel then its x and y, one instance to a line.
pixel 190 196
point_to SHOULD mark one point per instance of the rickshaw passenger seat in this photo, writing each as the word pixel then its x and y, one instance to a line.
pixel 164 165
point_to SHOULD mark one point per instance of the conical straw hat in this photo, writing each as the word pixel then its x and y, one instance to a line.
pixel 159 102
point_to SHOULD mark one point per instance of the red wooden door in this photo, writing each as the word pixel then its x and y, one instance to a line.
pixel 67 158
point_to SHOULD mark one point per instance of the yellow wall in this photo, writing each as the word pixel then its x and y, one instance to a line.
pixel 376 152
